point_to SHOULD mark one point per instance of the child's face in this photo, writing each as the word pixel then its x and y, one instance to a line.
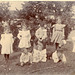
pixel 6 30
pixel 39 48
pixel 42 27
pixel 24 28
pixel 59 21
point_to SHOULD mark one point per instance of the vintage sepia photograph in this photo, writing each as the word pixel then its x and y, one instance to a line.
pixel 37 37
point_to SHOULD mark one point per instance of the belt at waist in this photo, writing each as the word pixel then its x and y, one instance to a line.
pixel 58 30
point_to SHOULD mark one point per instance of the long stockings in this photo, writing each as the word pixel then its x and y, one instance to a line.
pixel 6 57
pixel 56 45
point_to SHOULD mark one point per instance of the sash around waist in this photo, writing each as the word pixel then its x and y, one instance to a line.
pixel 58 30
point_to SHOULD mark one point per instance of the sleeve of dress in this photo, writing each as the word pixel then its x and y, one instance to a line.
pixel 29 35
pixel 53 26
pixel 63 25
pixel 12 38
pixel 19 35
pixel 37 34
pixel 53 30
pixel 22 57
pixel 45 34
pixel 63 32
pixel 1 38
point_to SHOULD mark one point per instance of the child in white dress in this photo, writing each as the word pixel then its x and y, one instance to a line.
pixel 6 42
pixel 58 33
pixel 24 44
pixel 24 37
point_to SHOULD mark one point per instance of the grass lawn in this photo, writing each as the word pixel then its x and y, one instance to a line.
pixel 48 68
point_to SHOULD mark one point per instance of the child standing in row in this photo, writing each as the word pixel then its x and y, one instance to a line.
pixel 58 33
pixel 6 42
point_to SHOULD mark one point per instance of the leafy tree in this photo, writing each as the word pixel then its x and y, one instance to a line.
pixel 4 8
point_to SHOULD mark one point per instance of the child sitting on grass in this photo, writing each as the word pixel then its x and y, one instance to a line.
pixel 39 53
pixel 58 55
pixel 26 57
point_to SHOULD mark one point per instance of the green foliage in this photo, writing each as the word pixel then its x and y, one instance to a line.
pixel 4 10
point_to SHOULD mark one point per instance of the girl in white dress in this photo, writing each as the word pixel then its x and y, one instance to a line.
pixel 24 36
pixel 6 42
pixel 24 44
pixel 58 33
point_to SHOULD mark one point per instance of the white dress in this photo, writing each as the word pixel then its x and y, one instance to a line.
pixel 24 37
pixel 7 43
pixel 41 33
pixel 58 33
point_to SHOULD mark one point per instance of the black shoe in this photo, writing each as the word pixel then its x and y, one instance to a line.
pixel 28 63
pixel 59 61
pixel 18 64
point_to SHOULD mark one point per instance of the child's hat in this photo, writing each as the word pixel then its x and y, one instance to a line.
pixel 63 42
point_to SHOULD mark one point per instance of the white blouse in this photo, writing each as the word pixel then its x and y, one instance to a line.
pixel 41 33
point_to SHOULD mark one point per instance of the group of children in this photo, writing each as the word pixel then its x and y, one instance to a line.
pixel 39 52
pixel 24 35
